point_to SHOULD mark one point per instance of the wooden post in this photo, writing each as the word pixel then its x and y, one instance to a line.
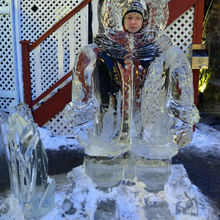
pixel 26 73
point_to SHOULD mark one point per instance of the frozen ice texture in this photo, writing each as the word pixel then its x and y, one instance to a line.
pixel 153 173
pixel 28 165
pixel 144 105
pixel 105 172
pixel 180 191
pixel 82 199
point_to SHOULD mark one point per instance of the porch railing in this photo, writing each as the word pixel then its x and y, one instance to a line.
pixel 45 111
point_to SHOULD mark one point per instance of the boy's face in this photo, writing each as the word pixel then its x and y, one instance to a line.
pixel 133 22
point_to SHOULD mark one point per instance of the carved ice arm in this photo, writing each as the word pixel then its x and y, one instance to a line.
pixel 83 106
pixel 180 102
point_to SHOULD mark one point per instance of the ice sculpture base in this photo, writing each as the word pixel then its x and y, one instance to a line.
pixel 105 172
pixel 130 199
pixel 79 198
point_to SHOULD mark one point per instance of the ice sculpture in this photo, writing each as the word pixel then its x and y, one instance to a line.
pixel 153 173
pixel 132 98
pixel 134 90
pixel 28 165
pixel 105 172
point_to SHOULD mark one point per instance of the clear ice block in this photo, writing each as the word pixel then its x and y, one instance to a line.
pixel 28 165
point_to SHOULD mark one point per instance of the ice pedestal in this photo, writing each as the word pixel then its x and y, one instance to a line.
pixel 106 210
pixel 163 192
pixel 110 172
pixel 105 172
pixel 153 173
pixel 28 165
pixel 128 170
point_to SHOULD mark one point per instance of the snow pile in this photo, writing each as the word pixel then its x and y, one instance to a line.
pixel 81 199
pixel 55 142
pixel 206 139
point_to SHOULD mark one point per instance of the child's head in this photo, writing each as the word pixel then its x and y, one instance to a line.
pixel 132 17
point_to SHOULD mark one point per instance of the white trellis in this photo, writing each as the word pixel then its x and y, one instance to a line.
pixel 8 80
pixel 181 30
pixel 55 56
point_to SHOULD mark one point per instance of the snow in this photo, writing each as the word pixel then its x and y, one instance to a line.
pixel 81 191
pixel 54 142
pixel 206 139
pixel 132 201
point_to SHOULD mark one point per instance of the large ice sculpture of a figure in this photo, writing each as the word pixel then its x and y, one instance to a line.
pixel 133 87
pixel 28 165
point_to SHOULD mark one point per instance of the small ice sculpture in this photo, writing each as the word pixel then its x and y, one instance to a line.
pixel 28 165
pixel 134 89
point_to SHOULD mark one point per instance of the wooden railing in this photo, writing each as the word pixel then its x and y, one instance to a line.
pixel 57 102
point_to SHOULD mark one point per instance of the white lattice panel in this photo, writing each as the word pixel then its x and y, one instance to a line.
pixel 58 125
pixel 181 30
pixel 7 103
pixel 4 3
pixel 6 54
pixel 7 74
pixel 54 53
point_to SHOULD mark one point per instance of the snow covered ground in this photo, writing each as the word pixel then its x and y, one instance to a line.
pixel 78 199
pixel 54 142
pixel 206 140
